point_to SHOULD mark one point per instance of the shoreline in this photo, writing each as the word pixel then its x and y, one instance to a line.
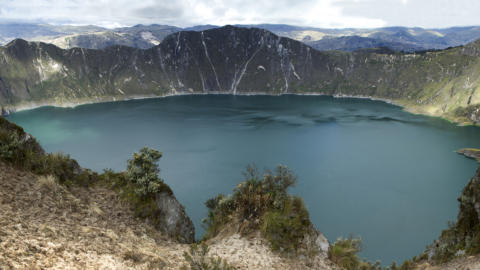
pixel 5 111
pixel 34 105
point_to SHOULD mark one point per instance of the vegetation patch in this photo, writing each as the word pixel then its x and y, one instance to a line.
pixel 197 259
pixel 22 150
pixel 139 183
pixel 261 203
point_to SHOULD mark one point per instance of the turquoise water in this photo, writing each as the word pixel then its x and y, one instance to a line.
pixel 364 167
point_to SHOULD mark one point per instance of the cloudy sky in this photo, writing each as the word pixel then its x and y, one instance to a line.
pixel 184 13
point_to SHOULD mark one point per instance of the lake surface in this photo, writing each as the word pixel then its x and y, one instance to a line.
pixel 364 167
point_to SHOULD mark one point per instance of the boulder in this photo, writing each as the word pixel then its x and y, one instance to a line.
pixel 323 244
pixel 172 218
pixel 314 242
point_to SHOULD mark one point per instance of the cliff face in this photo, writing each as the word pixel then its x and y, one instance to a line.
pixel 238 61
pixel 173 219
pixel 462 237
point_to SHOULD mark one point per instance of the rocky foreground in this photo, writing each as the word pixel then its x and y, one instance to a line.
pixel 44 225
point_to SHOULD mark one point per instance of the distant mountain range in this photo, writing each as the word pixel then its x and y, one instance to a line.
pixel 240 61
pixel 144 37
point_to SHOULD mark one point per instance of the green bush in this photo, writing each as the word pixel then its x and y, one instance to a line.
pixel 407 265
pixel 393 265
pixel 139 184
pixel 143 171
pixel 261 203
pixel 220 212
pixel 9 145
pixel 278 183
pixel 197 258
pixel 285 229
pixel 371 266
pixel 29 155
pixel 344 252
pixel 250 199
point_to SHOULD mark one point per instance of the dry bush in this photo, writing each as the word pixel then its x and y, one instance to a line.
pixel 95 209
pixel 49 182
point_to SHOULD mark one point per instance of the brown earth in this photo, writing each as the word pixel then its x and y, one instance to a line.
pixel 49 226
pixel 464 263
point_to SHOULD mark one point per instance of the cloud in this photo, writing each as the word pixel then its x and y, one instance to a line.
pixel 420 13
pixel 184 13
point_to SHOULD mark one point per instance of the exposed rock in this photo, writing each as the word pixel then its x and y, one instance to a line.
pixel 254 252
pixel 314 242
pixel 470 152
pixel 173 219
pixel 464 230
pixel 323 244
pixel 475 116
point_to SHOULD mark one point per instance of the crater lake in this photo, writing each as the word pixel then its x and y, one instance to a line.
pixel 364 167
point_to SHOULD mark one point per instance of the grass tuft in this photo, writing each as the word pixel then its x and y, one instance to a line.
pixel 49 182
pixel 95 209
pixel 344 252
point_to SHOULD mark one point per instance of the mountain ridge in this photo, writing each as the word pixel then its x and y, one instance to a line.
pixel 239 61
pixel 146 36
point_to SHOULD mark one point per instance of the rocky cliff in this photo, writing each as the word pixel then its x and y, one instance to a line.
pixel 173 218
pixel 239 61
pixel 462 237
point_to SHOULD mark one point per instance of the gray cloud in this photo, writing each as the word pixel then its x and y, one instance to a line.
pixel 183 13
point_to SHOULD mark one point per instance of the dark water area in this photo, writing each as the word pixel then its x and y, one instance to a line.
pixel 364 167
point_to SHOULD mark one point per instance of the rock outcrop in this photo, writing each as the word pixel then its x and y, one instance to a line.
pixel 172 218
pixel 461 238
pixel 470 152
pixel 314 242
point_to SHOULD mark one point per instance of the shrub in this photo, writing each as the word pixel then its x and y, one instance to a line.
pixel 278 184
pixel 250 199
pixel 261 203
pixel 139 184
pixel 393 265
pixel 143 171
pixel 197 258
pixel 29 155
pixel 49 182
pixel 9 145
pixel 371 266
pixel 407 265
pixel 344 252
pixel 220 210
pixel 285 229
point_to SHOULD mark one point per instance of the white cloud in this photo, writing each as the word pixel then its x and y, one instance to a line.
pixel 183 13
